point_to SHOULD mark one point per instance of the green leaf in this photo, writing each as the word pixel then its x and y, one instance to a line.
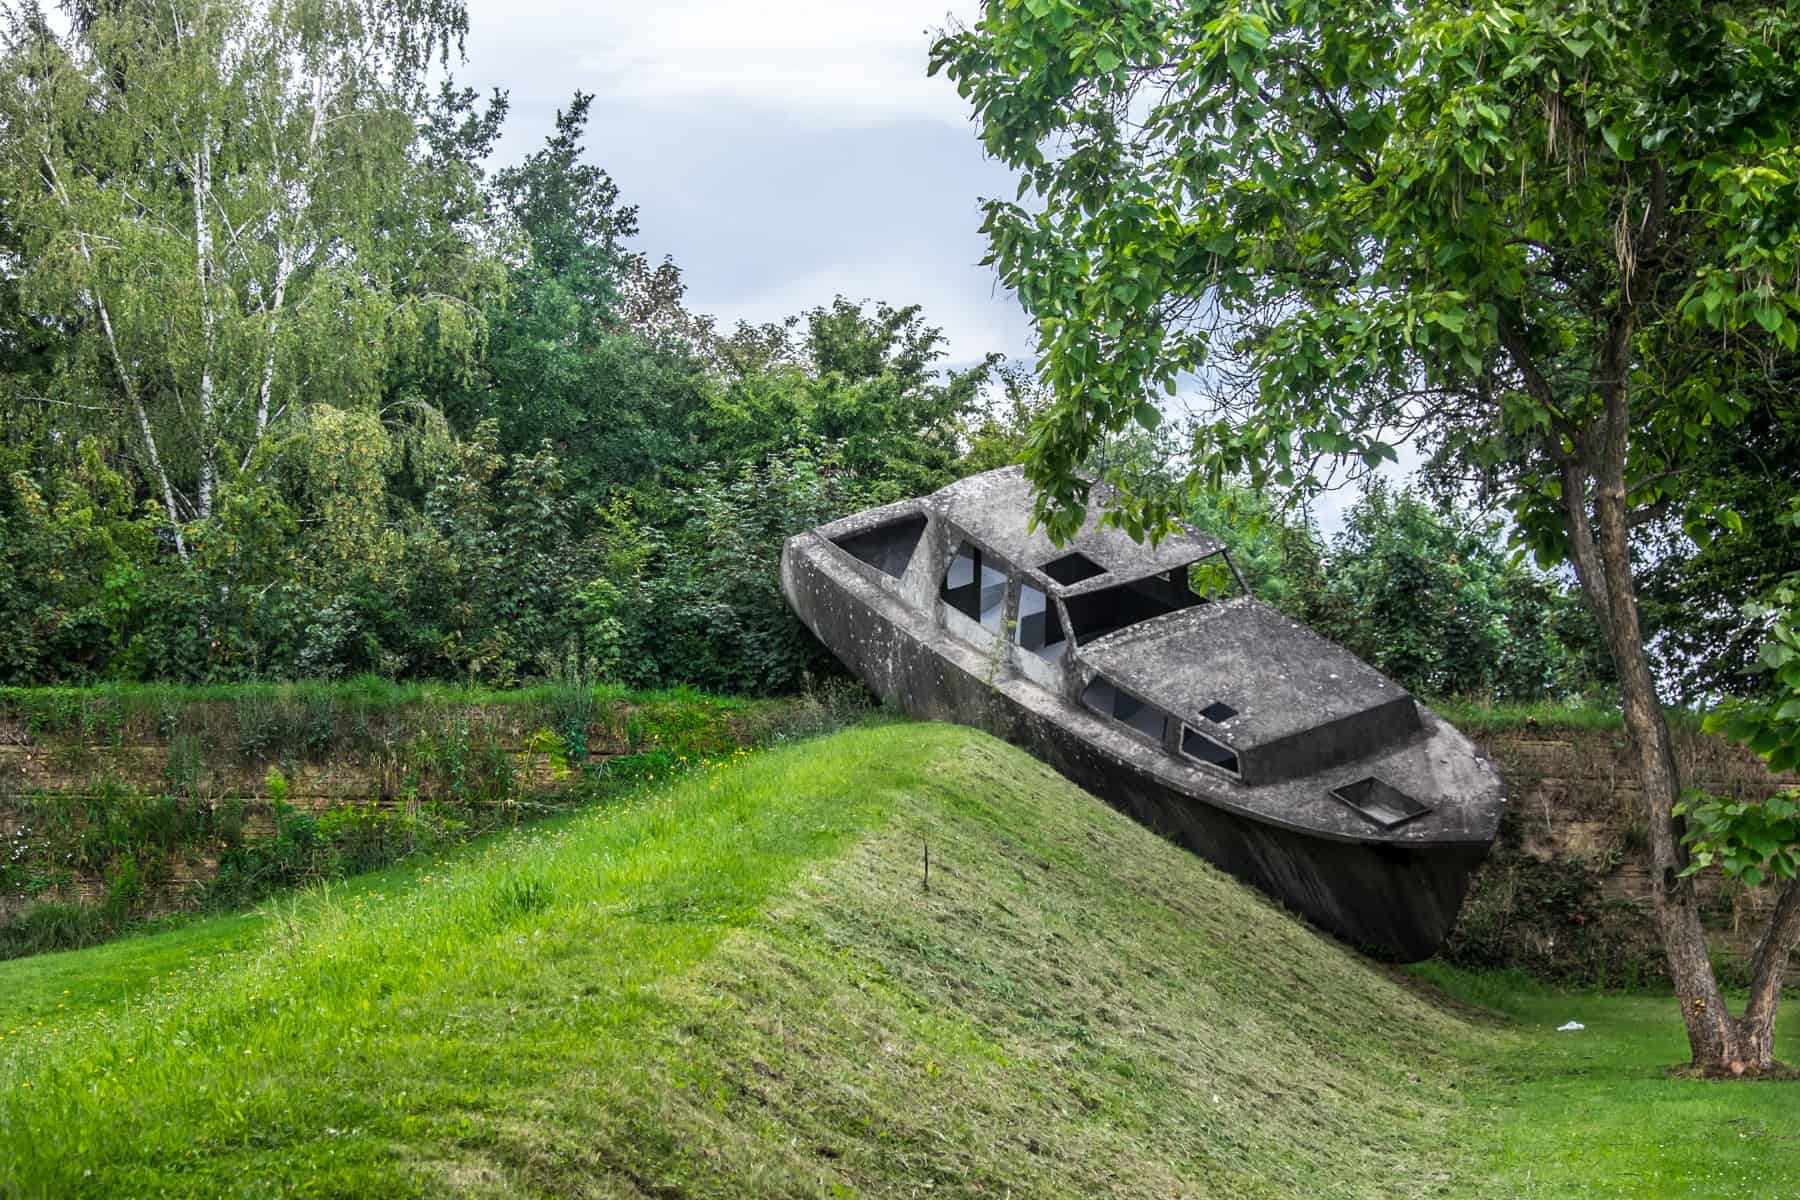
pixel 1107 59
pixel 1148 415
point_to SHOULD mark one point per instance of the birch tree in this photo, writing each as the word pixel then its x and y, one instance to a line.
pixel 231 203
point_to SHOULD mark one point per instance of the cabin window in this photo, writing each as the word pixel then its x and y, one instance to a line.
pixel 1040 628
pixel 887 547
pixel 1380 803
pixel 1212 578
pixel 1125 708
pixel 975 586
pixel 1072 568
pixel 1213 753
pixel 1218 712
pixel 1095 614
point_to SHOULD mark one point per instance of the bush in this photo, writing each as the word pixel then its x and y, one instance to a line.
pixel 52 926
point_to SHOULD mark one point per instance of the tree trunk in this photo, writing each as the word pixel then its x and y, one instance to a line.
pixel 1768 968
pixel 1720 1044
pixel 118 360
pixel 203 273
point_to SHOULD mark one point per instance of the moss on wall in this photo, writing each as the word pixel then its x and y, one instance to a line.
pixel 118 805
pixel 1566 893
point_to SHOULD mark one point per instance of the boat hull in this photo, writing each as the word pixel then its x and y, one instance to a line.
pixel 1397 902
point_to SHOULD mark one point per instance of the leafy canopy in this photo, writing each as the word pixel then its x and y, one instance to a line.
pixel 1750 839
pixel 1351 222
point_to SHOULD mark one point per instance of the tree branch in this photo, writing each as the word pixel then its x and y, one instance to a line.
pixel 1583 554
pixel 1650 512
pixel 1768 966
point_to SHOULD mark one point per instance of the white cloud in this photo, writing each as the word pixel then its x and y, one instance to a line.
pixel 845 62
pixel 783 152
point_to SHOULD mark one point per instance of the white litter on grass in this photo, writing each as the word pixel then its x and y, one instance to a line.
pixel 1571 1027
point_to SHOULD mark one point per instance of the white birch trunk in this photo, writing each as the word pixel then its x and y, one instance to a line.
pixel 284 270
pixel 266 386
pixel 118 359
pixel 203 271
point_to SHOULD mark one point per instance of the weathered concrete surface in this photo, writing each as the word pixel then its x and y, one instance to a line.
pixel 994 509
pixel 1279 826
pixel 1302 703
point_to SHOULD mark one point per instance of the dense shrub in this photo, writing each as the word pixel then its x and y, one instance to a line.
pixel 1549 918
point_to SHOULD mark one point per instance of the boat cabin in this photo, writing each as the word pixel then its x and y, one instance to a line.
pixel 1233 687
pixel 1006 590
pixel 1149 676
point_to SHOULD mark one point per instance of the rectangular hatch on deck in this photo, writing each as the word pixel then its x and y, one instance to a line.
pixel 1072 568
pixel 1380 803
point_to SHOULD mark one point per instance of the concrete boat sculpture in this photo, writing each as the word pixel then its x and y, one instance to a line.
pixel 1151 678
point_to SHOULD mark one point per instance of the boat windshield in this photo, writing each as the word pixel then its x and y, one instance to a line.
pixel 1094 614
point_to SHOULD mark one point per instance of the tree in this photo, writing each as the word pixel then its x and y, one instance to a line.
pixel 1556 242
pixel 231 200
pixel 1694 580
pixel 560 366
pixel 861 381
pixel 1428 597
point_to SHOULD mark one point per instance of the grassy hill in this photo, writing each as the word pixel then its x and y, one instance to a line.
pixel 741 984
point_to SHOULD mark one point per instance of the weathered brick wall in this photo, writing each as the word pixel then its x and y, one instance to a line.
pixel 498 762
pixel 1565 894
pixel 1567 891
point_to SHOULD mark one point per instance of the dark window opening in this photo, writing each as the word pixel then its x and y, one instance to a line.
pixel 1125 708
pixel 1040 629
pixel 1072 568
pixel 888 547
pixel 1218 712
pixel 1386 806
pixel 1095 614
pixel 1199 747
pixel 975 586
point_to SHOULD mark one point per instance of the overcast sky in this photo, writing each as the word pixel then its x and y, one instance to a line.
pixel 783 153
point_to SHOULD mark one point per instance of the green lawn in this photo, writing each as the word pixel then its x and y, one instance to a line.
pixel 1597 1112
pixel 740 985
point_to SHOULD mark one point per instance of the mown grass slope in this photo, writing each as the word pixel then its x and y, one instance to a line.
pixel 741 985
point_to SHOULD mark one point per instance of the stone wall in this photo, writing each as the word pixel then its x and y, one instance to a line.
pixel 1566 893
pixel 135 807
